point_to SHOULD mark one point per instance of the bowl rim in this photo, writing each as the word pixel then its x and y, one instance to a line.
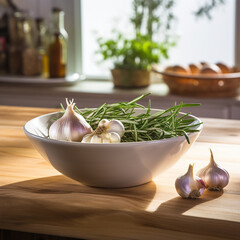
pixel 223 76
pixel 63 142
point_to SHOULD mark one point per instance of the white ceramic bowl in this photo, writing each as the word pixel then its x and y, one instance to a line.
pixel 107 165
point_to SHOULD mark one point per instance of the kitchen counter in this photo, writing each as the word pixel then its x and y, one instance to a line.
pixel 37 202
pixel 94 93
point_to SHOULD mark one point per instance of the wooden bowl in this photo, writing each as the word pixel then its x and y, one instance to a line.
pixel 219 85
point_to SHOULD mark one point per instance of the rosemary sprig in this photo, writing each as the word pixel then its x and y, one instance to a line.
pixel 145 126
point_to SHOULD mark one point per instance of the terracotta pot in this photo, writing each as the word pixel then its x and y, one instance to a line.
pixel 130 78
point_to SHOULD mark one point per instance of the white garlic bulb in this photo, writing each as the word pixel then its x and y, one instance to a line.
pixel 188 185
pixel 70 127
pixel 214 176
pixel 106 132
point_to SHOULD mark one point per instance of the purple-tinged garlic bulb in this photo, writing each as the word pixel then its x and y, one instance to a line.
pixel 70 127
pixel 188 185
pixel 214 176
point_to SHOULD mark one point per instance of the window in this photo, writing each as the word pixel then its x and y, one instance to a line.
pixel 199 39
pixel 99 21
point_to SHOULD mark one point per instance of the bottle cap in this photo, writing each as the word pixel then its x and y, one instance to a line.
pixel 55 9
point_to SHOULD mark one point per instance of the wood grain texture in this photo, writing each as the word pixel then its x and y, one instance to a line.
pixel 37 199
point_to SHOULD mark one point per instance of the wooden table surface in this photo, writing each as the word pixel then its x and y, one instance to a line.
pixel 38 200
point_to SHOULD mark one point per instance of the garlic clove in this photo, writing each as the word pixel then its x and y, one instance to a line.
pixel 96 139
pixel 114 137
pixel 214 176
pixel 188 185
pixel 106 132
pixel 70 127
pixel 103 122
pixel 87 138
pixel 116 126
pixel 105 139
pixel 200 185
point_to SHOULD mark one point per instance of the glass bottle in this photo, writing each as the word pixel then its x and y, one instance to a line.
pixel 42 42
pixel 4 40
pixel 3 56
pixel 30 60
pixel 15 26
pixel 58 46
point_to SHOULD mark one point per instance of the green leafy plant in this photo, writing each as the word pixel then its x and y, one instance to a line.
pixel 143 50
pixel 137 53
pixel 208 7
pixel 155 17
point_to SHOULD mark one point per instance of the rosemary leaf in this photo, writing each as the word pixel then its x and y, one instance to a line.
pixel 145 126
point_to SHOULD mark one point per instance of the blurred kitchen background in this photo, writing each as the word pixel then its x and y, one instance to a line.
pixel 51 49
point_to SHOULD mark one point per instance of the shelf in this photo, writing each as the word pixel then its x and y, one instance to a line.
pixel 69 80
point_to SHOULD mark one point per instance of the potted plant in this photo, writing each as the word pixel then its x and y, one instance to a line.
pixel 133 57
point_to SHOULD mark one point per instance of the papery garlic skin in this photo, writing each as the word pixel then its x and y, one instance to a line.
pixel 70 127
pixel 106 132
pixel 214 176
pixel 113 126
pixel 188 185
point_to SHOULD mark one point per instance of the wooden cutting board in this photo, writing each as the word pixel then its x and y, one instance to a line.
pixel 37 202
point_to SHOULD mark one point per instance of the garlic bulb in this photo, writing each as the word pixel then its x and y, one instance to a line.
pixel 70 127
pixel 214 176
pixel 188 185
pixel 106 132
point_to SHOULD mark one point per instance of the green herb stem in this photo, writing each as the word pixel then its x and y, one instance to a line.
pixel 144 126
